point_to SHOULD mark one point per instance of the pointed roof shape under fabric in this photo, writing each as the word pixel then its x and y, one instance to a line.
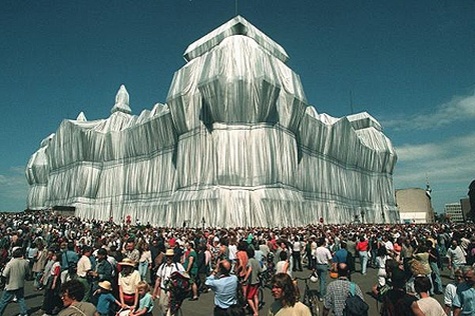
pixel 121 101
pixel 236 26
pixel 81 117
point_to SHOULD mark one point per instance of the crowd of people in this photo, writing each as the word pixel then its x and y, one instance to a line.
pixel 91 267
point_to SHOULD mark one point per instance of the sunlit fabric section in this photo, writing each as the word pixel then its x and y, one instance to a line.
pixel 236 144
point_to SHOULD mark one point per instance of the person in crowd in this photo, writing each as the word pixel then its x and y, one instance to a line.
pixel 323 259
pixel 396 301
pixel 191 267
pixel 296 254
pixel 407 254
pixel 232 247
pixel 72 295
pixel 337 292
pixel 352 252
pixel 224 285
pixel 428 305
pixel 397 248
pixel 309 253
pixel 381 265
pixel 455 256
pixel 451 291
pixel 285 295
pixel 52 300
pixel 470 258
pixel 69 258
pixel 102 272
pixel 164 272
pixel 129 278
pixel 388 244
pixel 464 301
pixel 362 246
pixel 283 265
pixel 145 261
pixel 130 251
pixel 203 268
pixel 374 245
pixel 47 270
pixel 115 253
pixel 252 281
pixel 434 259
pixel 15 273
pixel 39 264
pixel 241 263
pixel 105 299
pixel 146 301
pixel 422 255
pixel 157 251
pixel 223 249
pixel 83 269
pixel 31 255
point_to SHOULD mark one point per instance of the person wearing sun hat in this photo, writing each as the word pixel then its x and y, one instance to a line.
pixel 105 298
pixel 129 278
pixel 164 272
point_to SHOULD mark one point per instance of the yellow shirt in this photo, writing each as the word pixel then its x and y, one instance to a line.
pixel 129 283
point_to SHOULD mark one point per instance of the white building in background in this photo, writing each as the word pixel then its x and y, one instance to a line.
pixel 454 212
pixel 414 206
pixel 236 144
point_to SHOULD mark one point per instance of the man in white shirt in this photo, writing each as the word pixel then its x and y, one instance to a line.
pixel 83 268
pixel 456 257
pixel 323 258
pixel 164 272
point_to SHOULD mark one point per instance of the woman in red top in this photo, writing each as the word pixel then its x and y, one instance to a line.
pixel 362 246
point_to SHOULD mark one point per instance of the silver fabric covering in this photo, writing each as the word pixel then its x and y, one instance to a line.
pixel 236 144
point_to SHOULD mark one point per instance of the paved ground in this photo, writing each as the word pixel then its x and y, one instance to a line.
pixel 204 306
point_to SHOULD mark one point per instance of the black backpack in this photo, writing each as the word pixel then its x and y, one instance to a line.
pixel 354 305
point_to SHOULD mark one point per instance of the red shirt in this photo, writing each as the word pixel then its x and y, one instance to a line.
pixel 362 245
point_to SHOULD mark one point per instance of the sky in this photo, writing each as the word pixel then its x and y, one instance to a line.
pixel 410 64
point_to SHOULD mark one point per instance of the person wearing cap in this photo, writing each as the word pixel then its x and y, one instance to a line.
pixel 129 278
pixel 105 298
pixel 102 271
pixel 164 272
pixel 15 272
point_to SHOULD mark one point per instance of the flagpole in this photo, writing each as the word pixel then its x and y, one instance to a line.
pixel 235 7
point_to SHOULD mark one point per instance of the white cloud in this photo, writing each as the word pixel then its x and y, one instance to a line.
pixel 460 108
pixel 449 165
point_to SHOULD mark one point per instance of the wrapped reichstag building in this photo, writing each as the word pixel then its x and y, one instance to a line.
pixel 235 144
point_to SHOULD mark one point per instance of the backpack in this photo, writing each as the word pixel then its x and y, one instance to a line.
pixel 179 286
pixel 354 305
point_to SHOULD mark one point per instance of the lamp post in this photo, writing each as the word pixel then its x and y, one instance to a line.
pixel 203 222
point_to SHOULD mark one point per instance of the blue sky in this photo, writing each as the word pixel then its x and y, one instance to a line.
pixel 410 64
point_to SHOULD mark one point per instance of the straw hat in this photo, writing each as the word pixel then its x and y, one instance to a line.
pixel 169 253
pixel 106 285
pixel 127 262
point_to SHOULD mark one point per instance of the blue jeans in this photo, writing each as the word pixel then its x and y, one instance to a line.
pixel 322 272
pixel 143 267
pixel 8 296
pixel 438 281
pixel 363 261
